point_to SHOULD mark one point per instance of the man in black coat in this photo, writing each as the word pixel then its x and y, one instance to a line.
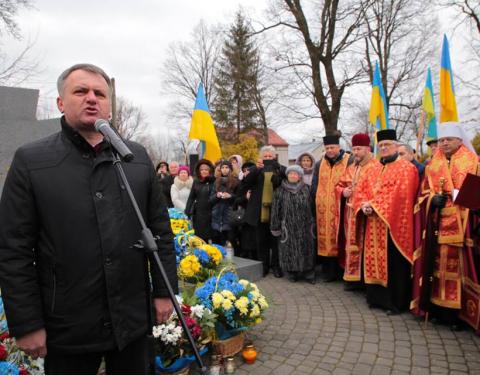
pixel 263 178
pixel 74 289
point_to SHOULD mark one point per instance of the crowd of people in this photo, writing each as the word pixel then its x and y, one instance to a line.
pixel 367 220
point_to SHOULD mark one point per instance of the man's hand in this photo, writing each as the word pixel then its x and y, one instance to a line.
pixel 439 200
pixel 367 208
pixel 34 343
pixel 227 195
pixel 248 195
pixel 259 163
pixel 347 192
pixel 163 309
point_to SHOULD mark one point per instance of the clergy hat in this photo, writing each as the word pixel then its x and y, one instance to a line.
pixel 361 139
pixel 331 140
pixel 386 135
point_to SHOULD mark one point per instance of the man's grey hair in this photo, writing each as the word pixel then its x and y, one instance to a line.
pixel 267 148
pixel 409 148
pixel 86 67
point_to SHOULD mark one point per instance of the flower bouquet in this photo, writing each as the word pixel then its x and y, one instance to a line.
pixel 178 220
pixel 238 305
pixel 12 359
pixel 172 347
pixel 200 264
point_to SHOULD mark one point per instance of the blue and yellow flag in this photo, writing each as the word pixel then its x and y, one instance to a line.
pixel 428 106
pixel 202 128
pixel 378 115
pixel 448 105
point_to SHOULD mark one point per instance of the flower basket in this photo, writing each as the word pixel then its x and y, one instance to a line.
pixel 229 347
pixel 180 367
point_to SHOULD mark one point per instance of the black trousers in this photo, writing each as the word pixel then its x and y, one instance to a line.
pixel 132 360
pixel 266 242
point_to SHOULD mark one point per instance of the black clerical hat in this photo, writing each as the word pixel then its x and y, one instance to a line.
pixel 331 140
pixel 386 135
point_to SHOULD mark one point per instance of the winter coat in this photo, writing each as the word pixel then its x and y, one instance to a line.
pixel 254 182
pixel 180 192
pixel 66 233
pixel 222 208
pixel 292 220
pixel 199 208
pixel 307 173
pixel 166 182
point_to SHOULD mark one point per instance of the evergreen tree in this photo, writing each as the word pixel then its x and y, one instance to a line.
pixel 236 83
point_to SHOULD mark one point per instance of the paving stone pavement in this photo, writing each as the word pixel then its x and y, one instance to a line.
pixel 322 329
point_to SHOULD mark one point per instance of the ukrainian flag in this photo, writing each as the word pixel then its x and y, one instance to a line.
pixel 202 128
pixel 428 106
pixel 448 105
pixel 378 115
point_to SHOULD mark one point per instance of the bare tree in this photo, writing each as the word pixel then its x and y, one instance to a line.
pixel 17 69
pixel 189 63
pixel 328 30
pixel 130 120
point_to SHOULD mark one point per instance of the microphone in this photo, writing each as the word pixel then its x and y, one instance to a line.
pixel 103 126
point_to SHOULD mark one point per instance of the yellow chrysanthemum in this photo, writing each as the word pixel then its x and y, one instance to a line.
pixel 255 295
pixel 242 302
pixel 189 266
pixel 255 311
pixel 217 300
pixel 262 301
pixel 254 286
pixel 258 320
pixel 213 252
pixel 227 304
pixel 243 282
pixel 228 294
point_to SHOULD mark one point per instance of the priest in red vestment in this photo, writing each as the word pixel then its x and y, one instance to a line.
pixel 349 228
pixel 387 200
pixel 445 273
pixel 327 173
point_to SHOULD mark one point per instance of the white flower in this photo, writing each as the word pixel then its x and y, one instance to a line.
pixel 169 334
pixel 198 311
pixel 179 299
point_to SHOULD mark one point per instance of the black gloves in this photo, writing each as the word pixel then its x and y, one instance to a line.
pixel 439 200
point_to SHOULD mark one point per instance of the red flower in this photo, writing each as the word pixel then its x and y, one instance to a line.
pixel 186 310
pixel 23 371
pixel 4 336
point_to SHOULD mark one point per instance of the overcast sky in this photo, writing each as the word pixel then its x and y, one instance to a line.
pixel 126 38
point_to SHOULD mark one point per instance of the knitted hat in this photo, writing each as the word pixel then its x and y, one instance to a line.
pixel 184 168
pixel 225 162
pixel 295 168
pixel 386 135
pixel 361 139
pixel 331 140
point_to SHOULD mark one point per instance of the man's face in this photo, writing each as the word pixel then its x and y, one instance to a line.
pixel 85 99
pixel 162 169
pixel 332 150
pixel 360 152
pixel 268 155
pixel 306 162
pixel 387 148
pixel 449 145
pixel 404 153
pixel 174 168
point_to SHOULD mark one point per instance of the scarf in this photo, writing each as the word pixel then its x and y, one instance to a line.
pixel 292 188
pixel 267 196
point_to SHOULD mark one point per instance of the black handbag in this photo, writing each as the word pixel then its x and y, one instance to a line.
pixel 237 216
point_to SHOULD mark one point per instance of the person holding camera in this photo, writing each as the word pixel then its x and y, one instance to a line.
pixel 262 180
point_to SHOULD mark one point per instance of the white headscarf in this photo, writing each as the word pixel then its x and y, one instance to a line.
pixel 455 129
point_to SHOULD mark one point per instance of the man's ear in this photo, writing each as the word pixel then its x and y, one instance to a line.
pixel 60 104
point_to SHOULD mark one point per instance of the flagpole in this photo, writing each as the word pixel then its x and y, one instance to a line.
pixel 421 129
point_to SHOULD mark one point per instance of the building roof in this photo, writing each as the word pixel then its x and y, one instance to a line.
pixel 275 140
pixel 294 151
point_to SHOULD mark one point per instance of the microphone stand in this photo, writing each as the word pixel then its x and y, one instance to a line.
pixel 149 245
